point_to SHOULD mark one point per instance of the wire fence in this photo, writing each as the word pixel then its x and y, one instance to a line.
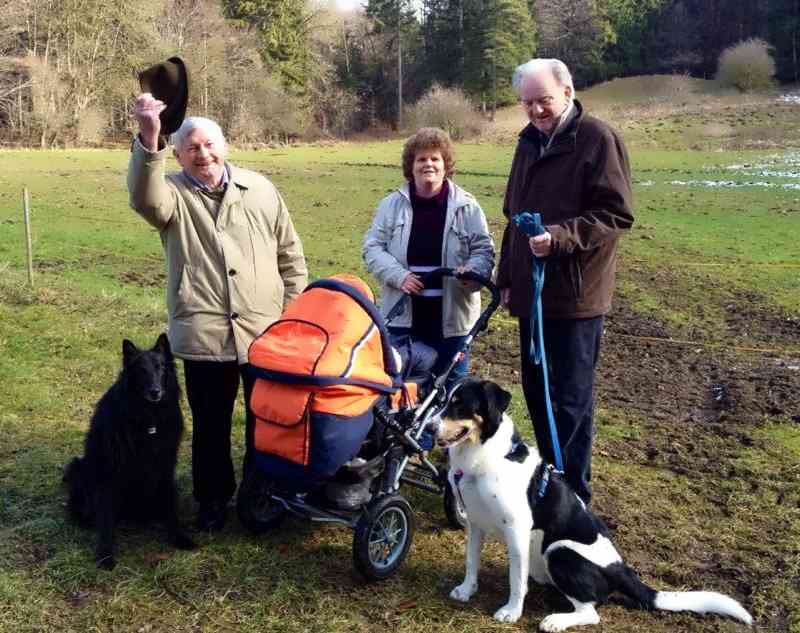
pixel 16 217
pixel 134 221
pixel 510 321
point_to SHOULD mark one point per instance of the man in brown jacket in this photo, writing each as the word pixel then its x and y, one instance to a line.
pixel 234 261
pixel 573 169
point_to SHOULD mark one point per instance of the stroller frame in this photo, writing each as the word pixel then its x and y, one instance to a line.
pixel 383 524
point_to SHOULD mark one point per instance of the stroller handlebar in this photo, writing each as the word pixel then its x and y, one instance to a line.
pixel 467 275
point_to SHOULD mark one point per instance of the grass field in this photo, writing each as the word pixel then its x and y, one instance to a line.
pixel 698 447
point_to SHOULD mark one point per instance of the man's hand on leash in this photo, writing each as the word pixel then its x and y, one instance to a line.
pixel 412 284
pixel 541 245
pixel 505 297
pixel 146 111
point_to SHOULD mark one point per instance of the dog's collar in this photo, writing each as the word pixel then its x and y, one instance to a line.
pixel 544 479
pixel 541 489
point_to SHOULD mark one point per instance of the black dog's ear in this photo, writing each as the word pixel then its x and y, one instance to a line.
pixel 497 397
pixel 129 350
pixel 162 345
pixel 494 401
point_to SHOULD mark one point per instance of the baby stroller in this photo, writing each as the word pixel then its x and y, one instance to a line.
pixel 338 425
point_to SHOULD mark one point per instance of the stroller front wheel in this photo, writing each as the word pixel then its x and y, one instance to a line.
pixel 256 508
pixel 383 537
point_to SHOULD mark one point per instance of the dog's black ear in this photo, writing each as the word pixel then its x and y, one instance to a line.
pixel 129 350
pixel 496 396
pixel 162 345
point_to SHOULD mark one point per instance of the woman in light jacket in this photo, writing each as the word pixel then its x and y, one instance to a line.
pixel 427 223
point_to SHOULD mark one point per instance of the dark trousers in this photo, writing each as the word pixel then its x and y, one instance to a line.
pixel 211 388
pixel 572 347
pixel 445 350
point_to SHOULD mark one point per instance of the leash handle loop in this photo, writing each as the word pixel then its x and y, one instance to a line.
pixel 530 223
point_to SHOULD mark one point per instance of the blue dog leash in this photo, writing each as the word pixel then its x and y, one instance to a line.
pixel 531 225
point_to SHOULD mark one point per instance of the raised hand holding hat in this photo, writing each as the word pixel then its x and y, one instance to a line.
pixel 168 84
pixel 147 111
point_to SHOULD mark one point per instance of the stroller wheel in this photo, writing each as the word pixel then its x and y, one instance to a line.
pixel 383 537
pixel 454 509
pixel 257 511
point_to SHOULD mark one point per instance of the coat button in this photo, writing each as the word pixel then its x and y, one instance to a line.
pixel 234 315
pixel 232 272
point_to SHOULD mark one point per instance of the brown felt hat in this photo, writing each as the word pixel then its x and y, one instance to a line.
pixel 168 82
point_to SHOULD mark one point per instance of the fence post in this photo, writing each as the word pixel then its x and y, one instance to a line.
pixel 27 213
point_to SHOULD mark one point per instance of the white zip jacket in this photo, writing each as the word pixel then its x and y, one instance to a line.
pixel 466 242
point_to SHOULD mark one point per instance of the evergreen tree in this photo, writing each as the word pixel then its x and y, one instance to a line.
pixel 635 25
pixel 442 36
pixel 784 34
pixel 282 27
pixel 499 35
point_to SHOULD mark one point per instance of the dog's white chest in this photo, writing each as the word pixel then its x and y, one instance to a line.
pixel 491 503
pixel 494 489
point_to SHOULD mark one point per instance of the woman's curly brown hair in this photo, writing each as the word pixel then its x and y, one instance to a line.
pixel 429 138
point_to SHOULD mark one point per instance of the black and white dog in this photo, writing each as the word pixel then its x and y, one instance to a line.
pixel 510 494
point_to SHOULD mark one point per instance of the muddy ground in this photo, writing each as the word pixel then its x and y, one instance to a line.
pixel 675 380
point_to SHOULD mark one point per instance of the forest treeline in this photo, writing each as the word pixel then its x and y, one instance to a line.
pixel 272 70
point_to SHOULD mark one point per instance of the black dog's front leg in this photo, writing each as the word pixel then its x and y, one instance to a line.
pixel 105 518
pixel 175 535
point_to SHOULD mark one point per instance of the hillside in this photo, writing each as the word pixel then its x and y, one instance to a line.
pixel 681 112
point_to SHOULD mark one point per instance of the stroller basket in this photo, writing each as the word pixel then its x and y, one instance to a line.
pixel 319 371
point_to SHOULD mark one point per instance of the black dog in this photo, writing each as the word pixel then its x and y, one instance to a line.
pixel 130 451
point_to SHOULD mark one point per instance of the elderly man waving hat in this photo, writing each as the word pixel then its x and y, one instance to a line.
pixel 233 260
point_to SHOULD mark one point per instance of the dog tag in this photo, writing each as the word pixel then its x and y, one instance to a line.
pixel 151 430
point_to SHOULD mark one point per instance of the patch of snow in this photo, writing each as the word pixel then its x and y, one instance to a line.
pixel 732 184
pixel 784 165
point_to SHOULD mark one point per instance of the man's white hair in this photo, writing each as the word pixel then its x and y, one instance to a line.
pixel 211 128
pixel 556 67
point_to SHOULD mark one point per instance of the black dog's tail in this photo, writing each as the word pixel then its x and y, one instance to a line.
pixel 77 503
pixel 628 583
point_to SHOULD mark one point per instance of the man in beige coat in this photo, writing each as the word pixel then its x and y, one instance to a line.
pixel 234 261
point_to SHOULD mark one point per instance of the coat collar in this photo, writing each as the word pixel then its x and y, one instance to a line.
pixel 565 135
pixel 456 196
pixel 239 180
pixel 226 177
pixel 456 199
pixel 242 178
